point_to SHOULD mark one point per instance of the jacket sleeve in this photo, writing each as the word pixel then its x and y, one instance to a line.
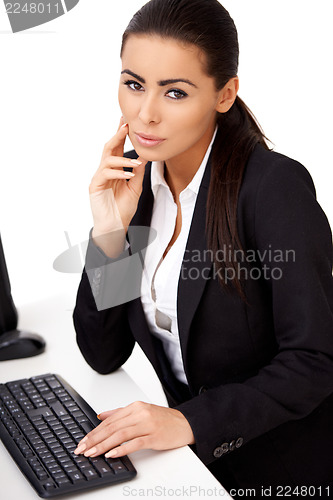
pixel 300 376
pixel 100 314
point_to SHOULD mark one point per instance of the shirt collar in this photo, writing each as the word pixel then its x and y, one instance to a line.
pixel 157 173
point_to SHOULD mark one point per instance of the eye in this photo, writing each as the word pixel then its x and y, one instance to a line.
pixel 133 85
pixel 176 94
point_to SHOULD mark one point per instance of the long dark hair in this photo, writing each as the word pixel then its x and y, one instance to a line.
pixel 208 25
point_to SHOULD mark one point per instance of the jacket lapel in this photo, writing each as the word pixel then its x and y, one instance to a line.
pixel 138 235
pixel 195 267
pixel 194 271
pixel 142 218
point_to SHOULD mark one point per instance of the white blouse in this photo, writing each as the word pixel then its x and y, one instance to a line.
pixel 160 277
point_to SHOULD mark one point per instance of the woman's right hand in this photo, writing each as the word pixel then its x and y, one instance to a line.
pixel 114 193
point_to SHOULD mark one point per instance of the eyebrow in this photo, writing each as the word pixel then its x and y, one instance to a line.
pixel 161 83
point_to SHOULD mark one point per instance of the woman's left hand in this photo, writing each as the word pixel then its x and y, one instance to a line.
pixel 139 426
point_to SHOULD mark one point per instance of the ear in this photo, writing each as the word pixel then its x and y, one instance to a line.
pixel 227 95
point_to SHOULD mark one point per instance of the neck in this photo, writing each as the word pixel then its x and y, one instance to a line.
pixel 180 170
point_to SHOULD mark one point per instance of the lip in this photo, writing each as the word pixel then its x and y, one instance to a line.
pixel 148 140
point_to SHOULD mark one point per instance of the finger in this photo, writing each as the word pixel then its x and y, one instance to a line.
pixel 135 182
pixel 108 172
pixel 99 182
pixel 140 165
pixel 119 162
pixel 119 420
pixel 139 443
pixel 111 441
pixel 126 416
pixel 115 146
pixel 105 414
pixel 122 418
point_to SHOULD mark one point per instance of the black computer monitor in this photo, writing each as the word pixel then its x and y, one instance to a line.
pixel 8 312
pixel 14 343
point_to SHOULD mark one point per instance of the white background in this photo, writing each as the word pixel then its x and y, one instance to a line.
pixel 58 106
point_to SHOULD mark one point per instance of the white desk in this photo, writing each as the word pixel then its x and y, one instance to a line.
pixel 173 470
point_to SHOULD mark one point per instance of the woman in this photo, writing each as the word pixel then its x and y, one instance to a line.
pixel 234 307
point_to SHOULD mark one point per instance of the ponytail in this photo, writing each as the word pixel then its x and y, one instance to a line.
pixel 238 134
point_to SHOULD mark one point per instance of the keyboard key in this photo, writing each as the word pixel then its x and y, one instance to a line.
pixel 76 477
pixel 55 469
pixel 80 459
pixel 53 383
pixel 76 413
pixel 61 453
pixel 49 485
pixel 49 396
pixel 58 409
pixel 66 419
pixel 102 468
pixel 62 434
pixel 78 436
pixel 54 446
pixel 87 427
pixel 57 426
pixel 62 480
pixel 50 461
pixel 89 473
pixel 42 475
pixel 67 442
pixel 116 465
pixel 70 403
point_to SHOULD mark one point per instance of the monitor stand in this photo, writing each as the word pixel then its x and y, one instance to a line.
pixel 14 343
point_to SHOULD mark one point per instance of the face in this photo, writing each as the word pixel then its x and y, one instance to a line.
pixel 166 98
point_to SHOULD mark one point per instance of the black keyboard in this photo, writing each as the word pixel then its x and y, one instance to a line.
pixel 42 419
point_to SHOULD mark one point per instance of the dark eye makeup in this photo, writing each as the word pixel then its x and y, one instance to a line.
pixel 174 94
pixel 133 85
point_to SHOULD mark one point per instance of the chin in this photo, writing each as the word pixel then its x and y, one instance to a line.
pixel 149 154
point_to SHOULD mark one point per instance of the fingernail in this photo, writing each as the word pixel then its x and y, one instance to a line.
pixel 99 416
pixel 128 174
pixel 136 162
pixel 80 448
pixel 111 454
pixel 124 125
pixel 90 452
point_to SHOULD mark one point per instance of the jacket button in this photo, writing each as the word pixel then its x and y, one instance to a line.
pixel 232 445
pixel 203 389
pixel 225 447
pixel 239 442
pixel 218 452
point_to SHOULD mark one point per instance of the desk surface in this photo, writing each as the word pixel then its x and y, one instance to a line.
pixel 159 473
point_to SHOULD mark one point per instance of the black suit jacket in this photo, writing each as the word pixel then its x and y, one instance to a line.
pixel 260 372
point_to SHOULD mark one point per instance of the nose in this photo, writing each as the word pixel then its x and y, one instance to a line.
pixel 149 110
